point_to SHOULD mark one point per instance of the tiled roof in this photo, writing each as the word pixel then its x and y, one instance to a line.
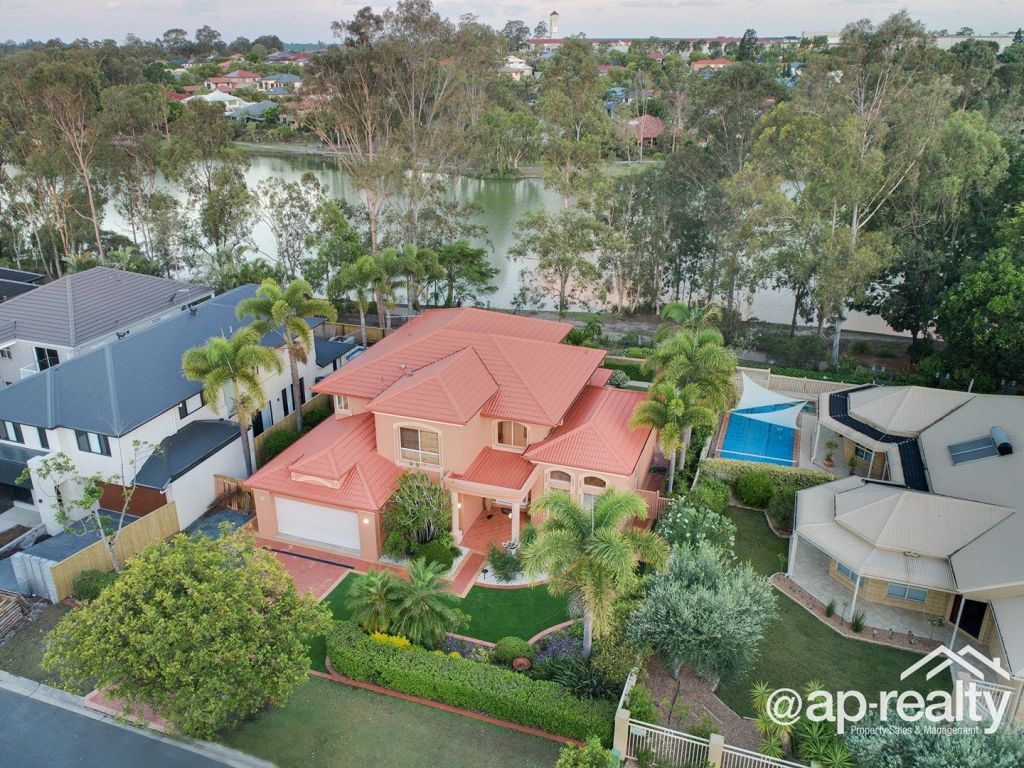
pixel 601 377
pixel 503 469
pixel 596 434
pixel 537 377
pixel 452 390
pixel 341 454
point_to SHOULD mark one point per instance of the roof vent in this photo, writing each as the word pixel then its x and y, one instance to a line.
pixel 1003 444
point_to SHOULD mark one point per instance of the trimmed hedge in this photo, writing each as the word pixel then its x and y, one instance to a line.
pixel 88 584
pixel 508 649
pixel 484 688
pixel 631 368
pixel 754 489
pixel 437 551
pixel 781 505
pixel 276 442
pixel 730 470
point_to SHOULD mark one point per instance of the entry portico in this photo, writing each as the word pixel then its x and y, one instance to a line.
pixel 497 482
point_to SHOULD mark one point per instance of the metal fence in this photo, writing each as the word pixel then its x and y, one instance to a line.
pixel 655 746
pixel 735 757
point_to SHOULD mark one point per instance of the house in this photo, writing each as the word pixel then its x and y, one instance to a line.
pixel 642 131
pixel 97 405
pixel 229 102
pixel 710 64
pixel 256 112
pixel 492 405
pixel 176 96
pixel 930 521
pixel 517 68
pixel 232 81
pixel 49 324
pixel 286 80
pixel 14 282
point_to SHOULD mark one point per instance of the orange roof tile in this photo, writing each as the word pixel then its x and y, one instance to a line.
pixel 341 454
pixel 596 434
pixel 601 377
pixel 452 390
pixel 504 469
pixel 537 377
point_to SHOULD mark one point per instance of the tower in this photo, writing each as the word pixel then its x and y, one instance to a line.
pixel 553 25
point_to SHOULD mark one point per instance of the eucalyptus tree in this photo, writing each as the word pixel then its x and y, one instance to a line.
pixel 291 211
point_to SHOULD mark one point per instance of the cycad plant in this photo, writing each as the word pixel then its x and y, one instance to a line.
pixel 373 599
pixel 284 312
pixel 593 553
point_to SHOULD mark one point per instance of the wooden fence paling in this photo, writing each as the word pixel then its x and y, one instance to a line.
pixel 222 484
pixel 373 333
pixel 288 422
pixel 156 526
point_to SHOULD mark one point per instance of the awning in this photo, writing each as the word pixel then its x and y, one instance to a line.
pixel 784 417
pixel 13 460
pixel 756 396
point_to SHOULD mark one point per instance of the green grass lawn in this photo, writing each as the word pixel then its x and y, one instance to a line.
pixel 328 724
pixel 494 614
pixel 22 653
pixel 797 648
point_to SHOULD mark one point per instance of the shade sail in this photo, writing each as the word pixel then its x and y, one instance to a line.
pixel 756 396
pixel 783 417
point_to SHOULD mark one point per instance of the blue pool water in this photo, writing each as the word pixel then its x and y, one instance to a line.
pixel 753 440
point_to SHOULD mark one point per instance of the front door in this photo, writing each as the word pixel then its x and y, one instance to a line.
pixel 972 617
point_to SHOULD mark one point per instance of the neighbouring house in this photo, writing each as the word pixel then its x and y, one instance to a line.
pixel 226 100
pixel 257 112
pixel 286 80
pixel 641 131
pixel 49 324
pixel 177 96
pixel 96 405
pixel 925 533
pixel 492 405
pixel 517 68
pixel 14 282
pixel 710 64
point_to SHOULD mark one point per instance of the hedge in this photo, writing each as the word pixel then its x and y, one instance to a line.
pixel 485 688
pixel 730 470
pixel 631 368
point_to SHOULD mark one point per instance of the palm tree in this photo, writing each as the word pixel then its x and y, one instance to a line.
pixel 592 553
pixel 426 611
pixel 357 277
pixel 385 287
pixel 284 312
pixel 674 413
pixel 231 368
pixel 373 598
pixel 680 315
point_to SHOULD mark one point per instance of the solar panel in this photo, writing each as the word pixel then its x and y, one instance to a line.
pixel 972 450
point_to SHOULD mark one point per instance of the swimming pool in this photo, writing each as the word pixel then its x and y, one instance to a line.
pixel 753 440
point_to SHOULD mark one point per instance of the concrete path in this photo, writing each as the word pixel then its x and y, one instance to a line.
pixel 43 727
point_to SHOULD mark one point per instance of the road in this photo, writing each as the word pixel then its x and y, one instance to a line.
pixel 37 734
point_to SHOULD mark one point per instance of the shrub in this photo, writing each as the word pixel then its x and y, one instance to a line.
pixel 418 512
pixel 504 565
pixel 730 470
pixel 313 416
pixel 858 622
pixel 508 649
pixel 438 552
pixel 591 755
pixel 484 688
pixel 688 526
pixel 860 347
pixel 619 379
pixel 830 609
pixel 640 704
pixel 615 656
pixel 396 640
pixel 754 489
pixel 710 493
pixel 579 677
pixel 631 368
pixel 781 503
pixel 275 442
pixel 88 584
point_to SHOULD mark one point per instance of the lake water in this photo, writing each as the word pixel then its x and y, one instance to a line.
pixel 502 202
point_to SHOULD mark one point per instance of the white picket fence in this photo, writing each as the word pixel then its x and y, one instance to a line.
pixel 656 746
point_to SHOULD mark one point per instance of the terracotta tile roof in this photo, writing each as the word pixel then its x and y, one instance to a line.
pixel 537 377
pixel 452 390
pixel 601 377
pixel 641 128
pixel 341 454
pixel 596 434
pixel 503 469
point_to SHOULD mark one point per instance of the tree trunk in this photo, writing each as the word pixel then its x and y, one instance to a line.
pixel 835 341
pixel 95 220
pixel 296 390
pixel 246 448
pixel 378 297
pixel 671 472
pixel 362 325
pixel 588 634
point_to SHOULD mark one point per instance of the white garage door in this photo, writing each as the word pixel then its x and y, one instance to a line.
pixel 324 524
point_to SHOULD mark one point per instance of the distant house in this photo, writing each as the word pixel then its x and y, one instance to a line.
pixel 710 64
pixel 605 69
pixel 642 131
pixel 517 68
pixel 282 82
pixel 232 81
pixel 177 96
pixel 14 282
pixel 229 102
pixel 256 112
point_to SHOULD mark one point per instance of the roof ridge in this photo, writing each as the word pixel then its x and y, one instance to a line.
pixel 515 369
pixel 69 297
pixel 115 410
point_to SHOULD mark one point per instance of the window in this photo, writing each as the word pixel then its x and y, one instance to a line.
pixel 90 442
pixel 11 432
pixel 286 400
pixel 906 592
pixel 847 573
pixel 341 402
pixel 44 441
pixel 7 353
pixel 592 488
pixel 419 446
pixel 512 434
pixel 863 454
pixel 191 405
pixel 46 358
pixel 559 480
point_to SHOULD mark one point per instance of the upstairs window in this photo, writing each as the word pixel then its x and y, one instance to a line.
pixel 341 403
pixel 419 446
pixel 11 432
pixel 90 442
pixel 191 405
pixel 592 488
pixel 46 358
pixel 512 434
pixel 559 480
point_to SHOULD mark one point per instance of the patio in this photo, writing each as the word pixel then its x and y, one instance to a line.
pixel 492 526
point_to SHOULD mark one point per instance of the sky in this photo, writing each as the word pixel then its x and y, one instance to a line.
pixel 309 20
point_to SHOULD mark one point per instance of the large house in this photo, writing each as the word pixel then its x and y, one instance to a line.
pixel 48 324
pixel 490 404
pixel 97 405
pixel 930 521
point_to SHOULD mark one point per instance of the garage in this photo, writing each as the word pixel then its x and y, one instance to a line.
pixel 327 525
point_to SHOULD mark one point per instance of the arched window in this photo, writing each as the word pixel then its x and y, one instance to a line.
pixel 512 434
pixel 592 488
pixel 559 480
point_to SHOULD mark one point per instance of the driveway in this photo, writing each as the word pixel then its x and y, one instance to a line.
pixel 37 734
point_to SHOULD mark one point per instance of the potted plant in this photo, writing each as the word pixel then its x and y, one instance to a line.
pixel 830 446
pixel 852 463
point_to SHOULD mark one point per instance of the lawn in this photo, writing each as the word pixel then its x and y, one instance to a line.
pixel 327 724
pixel 494 614
pixel 797 648
pixel 22 653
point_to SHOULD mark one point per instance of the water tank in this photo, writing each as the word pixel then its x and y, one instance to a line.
pixel 1003 444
